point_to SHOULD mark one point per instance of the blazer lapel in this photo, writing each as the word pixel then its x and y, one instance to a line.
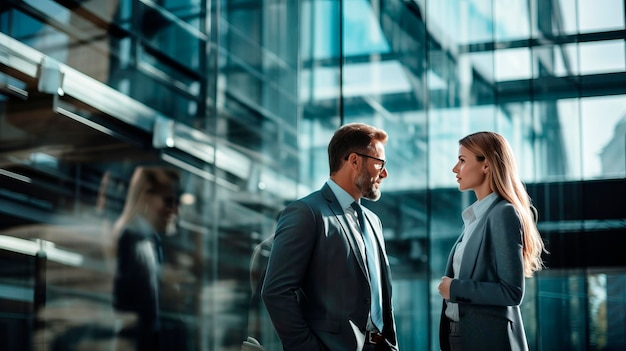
pixel 449 268
pixel 342 219
pixel 469 254
pixel 473 245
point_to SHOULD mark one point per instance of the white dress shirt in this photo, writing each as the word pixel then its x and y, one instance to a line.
pixel 471 215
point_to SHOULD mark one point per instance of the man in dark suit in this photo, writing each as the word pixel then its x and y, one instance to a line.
pixel 328 283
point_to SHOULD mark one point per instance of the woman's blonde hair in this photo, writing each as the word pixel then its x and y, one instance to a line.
pixel 504 181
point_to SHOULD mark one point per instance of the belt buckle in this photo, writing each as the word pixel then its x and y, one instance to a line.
pixel 374 337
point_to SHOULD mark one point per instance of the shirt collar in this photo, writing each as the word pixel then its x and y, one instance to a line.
pixel 478 208
pixel 345 199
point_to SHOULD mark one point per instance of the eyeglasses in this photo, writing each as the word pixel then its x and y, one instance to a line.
pixel 379 166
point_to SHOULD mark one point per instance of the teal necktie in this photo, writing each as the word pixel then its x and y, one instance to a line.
pixel 371 254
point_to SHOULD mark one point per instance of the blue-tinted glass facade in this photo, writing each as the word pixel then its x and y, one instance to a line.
pixel 240 98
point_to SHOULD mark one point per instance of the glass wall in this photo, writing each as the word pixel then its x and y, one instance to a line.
pixel 206 117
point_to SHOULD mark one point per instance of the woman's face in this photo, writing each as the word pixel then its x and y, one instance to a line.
pixel 471 174
pixel 162 209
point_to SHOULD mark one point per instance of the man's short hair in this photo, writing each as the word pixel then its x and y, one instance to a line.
pixel 352 137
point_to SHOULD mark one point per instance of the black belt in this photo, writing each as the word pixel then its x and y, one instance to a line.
pixel 374 337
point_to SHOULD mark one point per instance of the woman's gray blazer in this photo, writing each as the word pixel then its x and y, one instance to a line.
pixel 490 286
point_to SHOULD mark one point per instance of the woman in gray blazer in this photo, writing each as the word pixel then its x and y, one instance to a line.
pixel 483 284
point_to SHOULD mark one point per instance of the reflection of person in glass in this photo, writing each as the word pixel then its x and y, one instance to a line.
pixel 328 281
pixel 151 206
pixel 483 284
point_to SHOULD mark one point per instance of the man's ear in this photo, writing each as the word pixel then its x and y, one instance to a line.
pixel 353 158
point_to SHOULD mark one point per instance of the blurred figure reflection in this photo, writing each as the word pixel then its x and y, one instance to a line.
pixel 257 315
pixel 149 212
pixel 261 332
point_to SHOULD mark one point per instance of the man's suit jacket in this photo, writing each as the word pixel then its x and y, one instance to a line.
pixel 316 288
pixel 490 286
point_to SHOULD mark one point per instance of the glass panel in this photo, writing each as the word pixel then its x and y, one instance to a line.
pixel 483 63
pixel 514 122
pixel 511 20
pixel 606 305
pixel 223 213
pixel 383 85
pixel 562 310
pixel 566 60
pixel 362 34
pixel 39 36
pixel 320 89
pixel 74 214
pixel 600 15
pixel 567 20
pixel 457 23
pixel 597 291
pixel 602 57
pixel 257 116
pixel 324 40
pixel 512 64
pixel 603 143
pixel 443 137
pixel 570 132
pixel 167 34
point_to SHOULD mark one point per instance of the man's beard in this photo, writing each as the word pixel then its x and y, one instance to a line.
pixel 365 183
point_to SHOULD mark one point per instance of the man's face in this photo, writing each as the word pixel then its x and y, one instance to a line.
pixel 372 172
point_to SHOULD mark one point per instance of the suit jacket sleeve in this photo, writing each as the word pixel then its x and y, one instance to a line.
pixel 294 244
pixel 498 275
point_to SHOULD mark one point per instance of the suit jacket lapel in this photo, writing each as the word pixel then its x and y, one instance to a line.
pixel 449 268
pixel 339 212
pixel 470 255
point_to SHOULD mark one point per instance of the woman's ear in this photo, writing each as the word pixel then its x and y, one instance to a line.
pixel 485 167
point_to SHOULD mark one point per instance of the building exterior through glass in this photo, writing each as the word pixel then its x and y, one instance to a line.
pixel 236 100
